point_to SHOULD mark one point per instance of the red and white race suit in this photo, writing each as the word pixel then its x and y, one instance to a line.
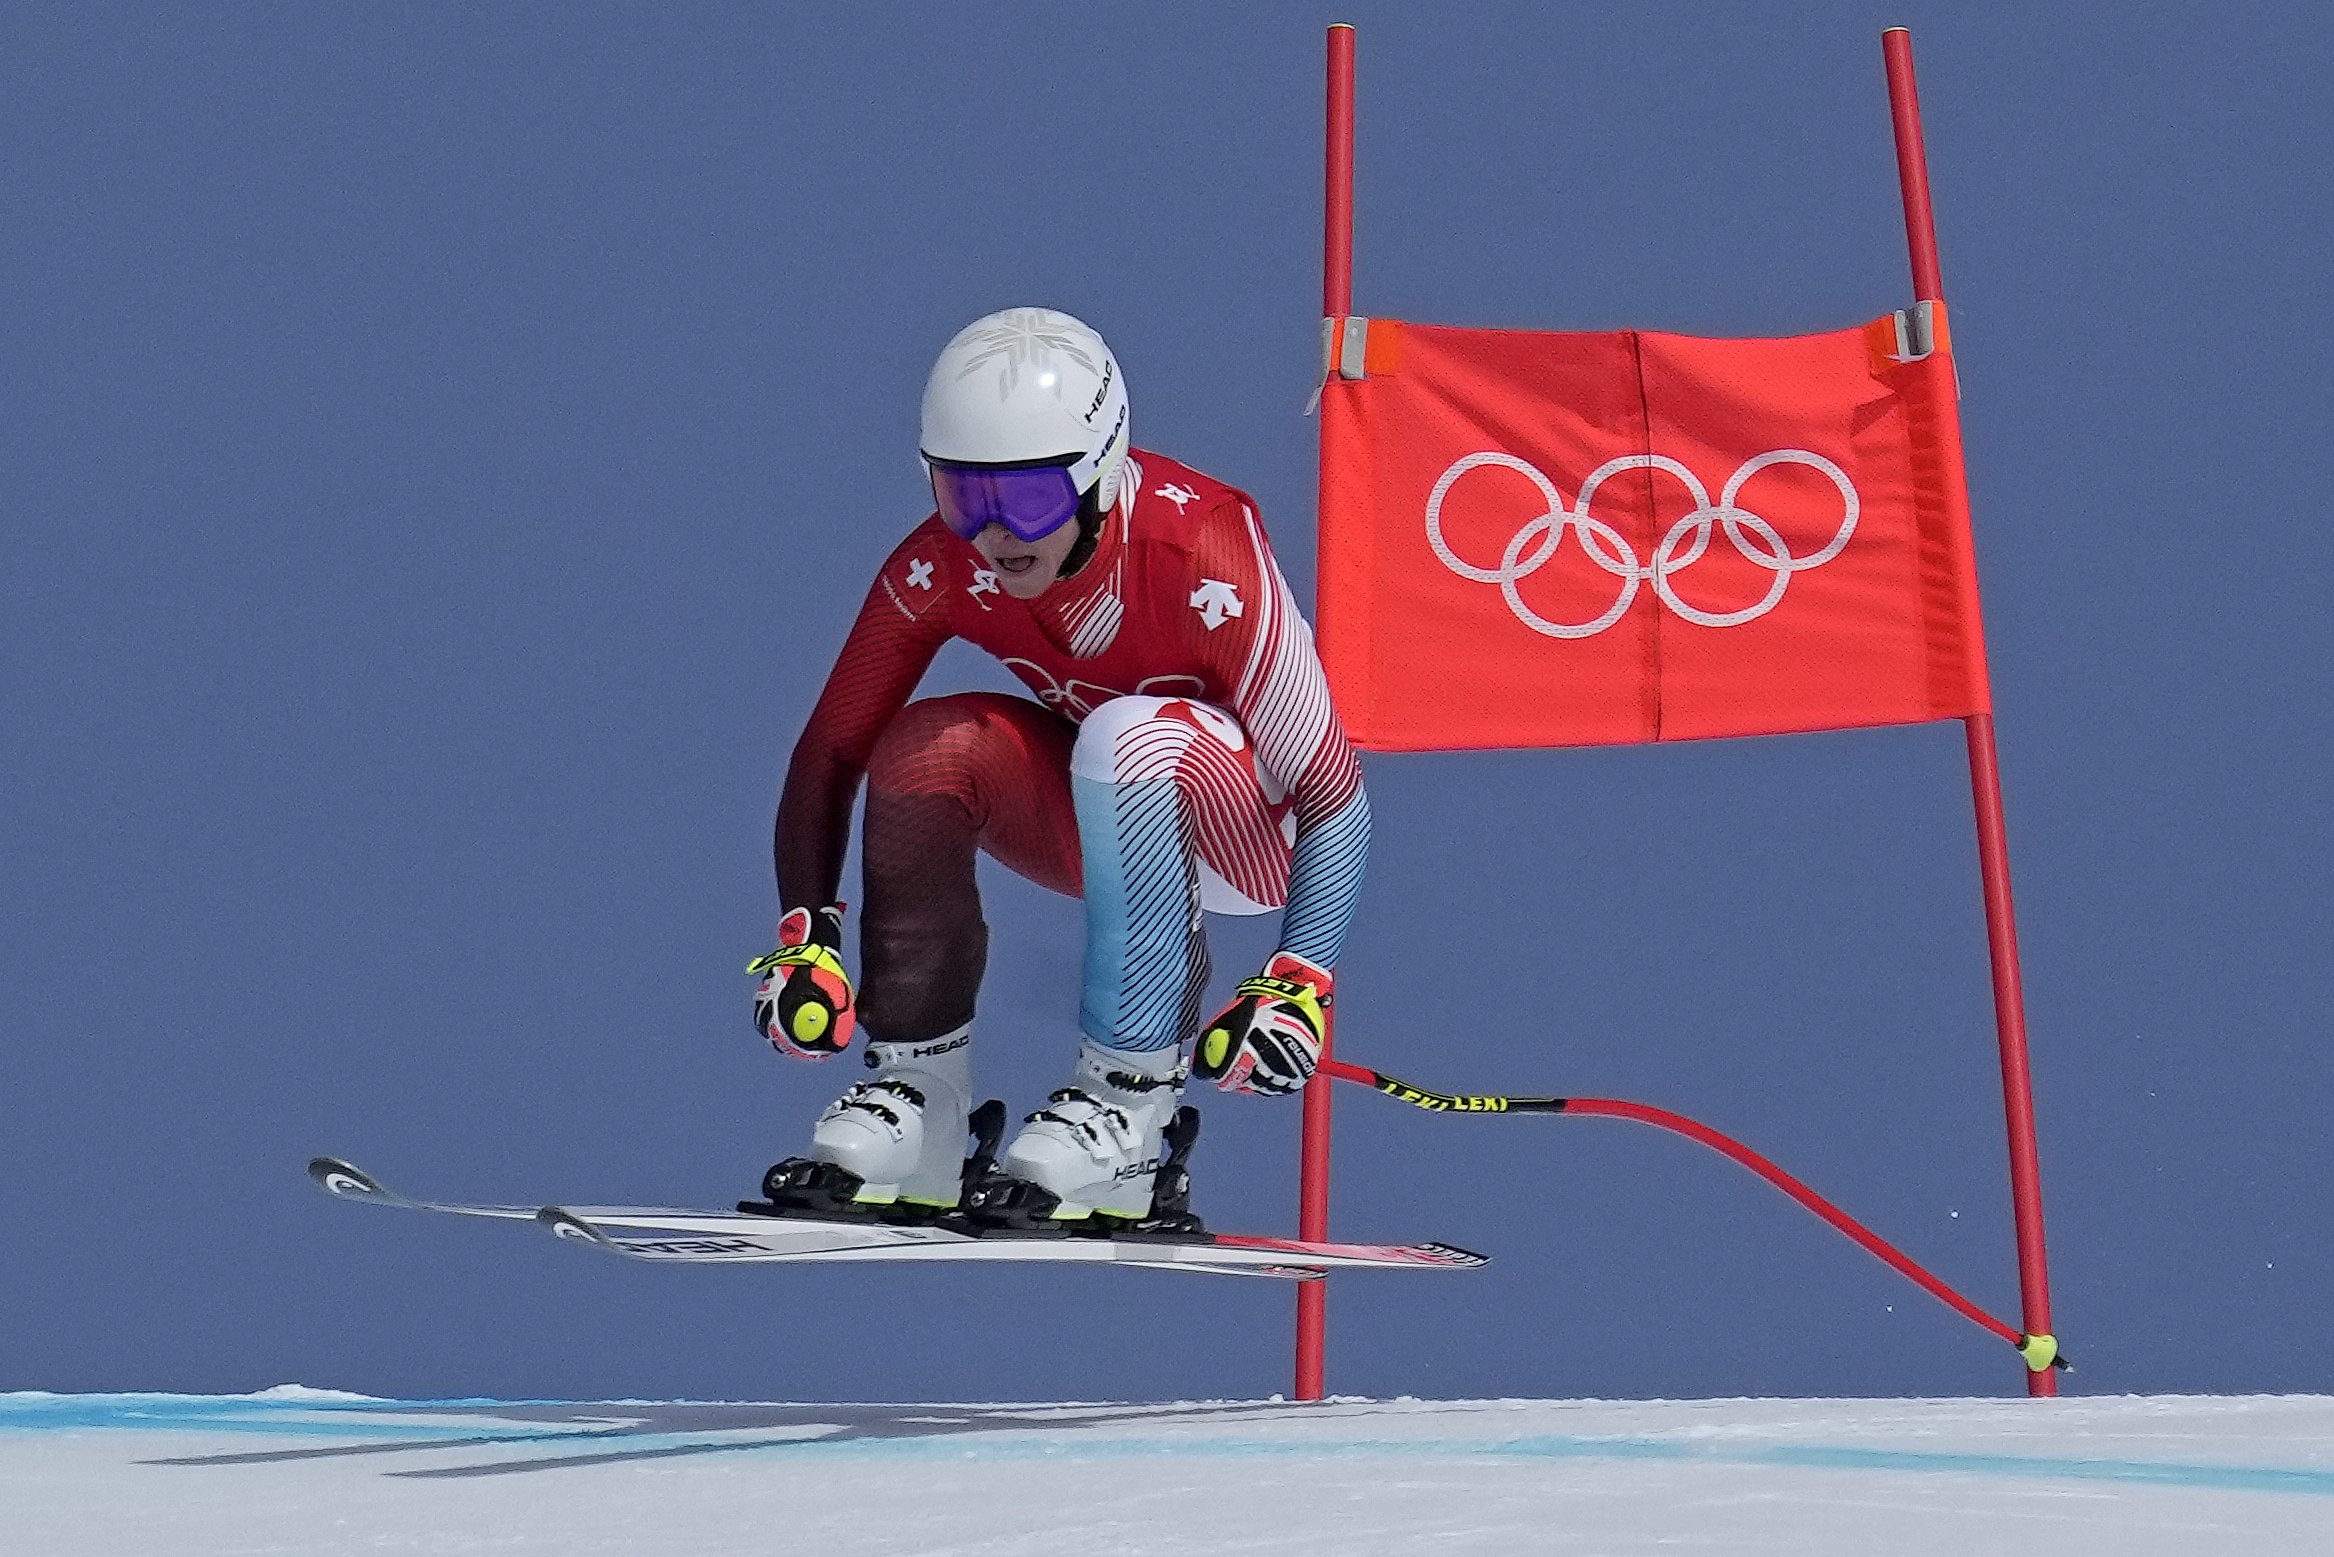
pixel 1219 773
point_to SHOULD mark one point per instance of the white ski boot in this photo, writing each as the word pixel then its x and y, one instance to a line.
pixel 1093 1151
pixel 893 1145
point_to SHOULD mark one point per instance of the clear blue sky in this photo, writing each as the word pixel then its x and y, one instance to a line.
pixel 439 455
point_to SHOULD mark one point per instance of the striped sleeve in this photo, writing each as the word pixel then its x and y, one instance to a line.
pixel 1281 697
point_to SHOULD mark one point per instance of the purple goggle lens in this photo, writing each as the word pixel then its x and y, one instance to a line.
pixel 1032 501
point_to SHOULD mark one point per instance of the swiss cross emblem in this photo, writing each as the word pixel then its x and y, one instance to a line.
pixel 919 574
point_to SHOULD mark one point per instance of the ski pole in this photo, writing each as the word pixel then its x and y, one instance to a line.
pixel 2040 1351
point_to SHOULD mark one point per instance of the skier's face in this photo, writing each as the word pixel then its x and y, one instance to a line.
pixel 1026 569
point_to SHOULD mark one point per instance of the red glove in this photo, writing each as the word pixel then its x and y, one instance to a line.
pixel 804 1003
pixel 1270 1040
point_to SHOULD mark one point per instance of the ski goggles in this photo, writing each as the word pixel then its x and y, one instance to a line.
pixel 1031 501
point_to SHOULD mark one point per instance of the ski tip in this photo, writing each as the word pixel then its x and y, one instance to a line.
pixel 1452 1255
pixel 562 1223
pixel 347 1181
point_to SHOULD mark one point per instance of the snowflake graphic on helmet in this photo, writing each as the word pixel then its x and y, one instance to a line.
pixel 1025 337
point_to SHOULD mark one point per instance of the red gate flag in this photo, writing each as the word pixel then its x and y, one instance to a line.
pixel 1577 539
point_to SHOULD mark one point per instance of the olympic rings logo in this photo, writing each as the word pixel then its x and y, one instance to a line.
pixel 1080 698
pixel 1535 545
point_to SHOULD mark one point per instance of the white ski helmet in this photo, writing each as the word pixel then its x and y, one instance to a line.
pixel 1029 387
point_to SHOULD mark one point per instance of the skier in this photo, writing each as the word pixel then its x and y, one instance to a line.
pixel 1180 753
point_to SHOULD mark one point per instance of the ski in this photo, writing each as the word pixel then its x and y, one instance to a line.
pixel 347 1181
pixel 744 1238
pixel 674 1235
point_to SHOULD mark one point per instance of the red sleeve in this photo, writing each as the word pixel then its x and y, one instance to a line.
pixel 901 626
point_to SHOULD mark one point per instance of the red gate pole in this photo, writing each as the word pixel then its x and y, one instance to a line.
pixel 1336 303
pixel 1985 777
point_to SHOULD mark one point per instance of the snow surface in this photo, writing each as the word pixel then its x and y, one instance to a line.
pixel 317 1473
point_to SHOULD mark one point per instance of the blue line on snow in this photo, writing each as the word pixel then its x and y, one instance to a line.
pixel 251 1414
pixel 2233 1478
pixel 364 1419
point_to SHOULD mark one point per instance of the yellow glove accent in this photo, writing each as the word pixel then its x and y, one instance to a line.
pixel 809 954
pixel 1215 1049
pixel 1293 992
